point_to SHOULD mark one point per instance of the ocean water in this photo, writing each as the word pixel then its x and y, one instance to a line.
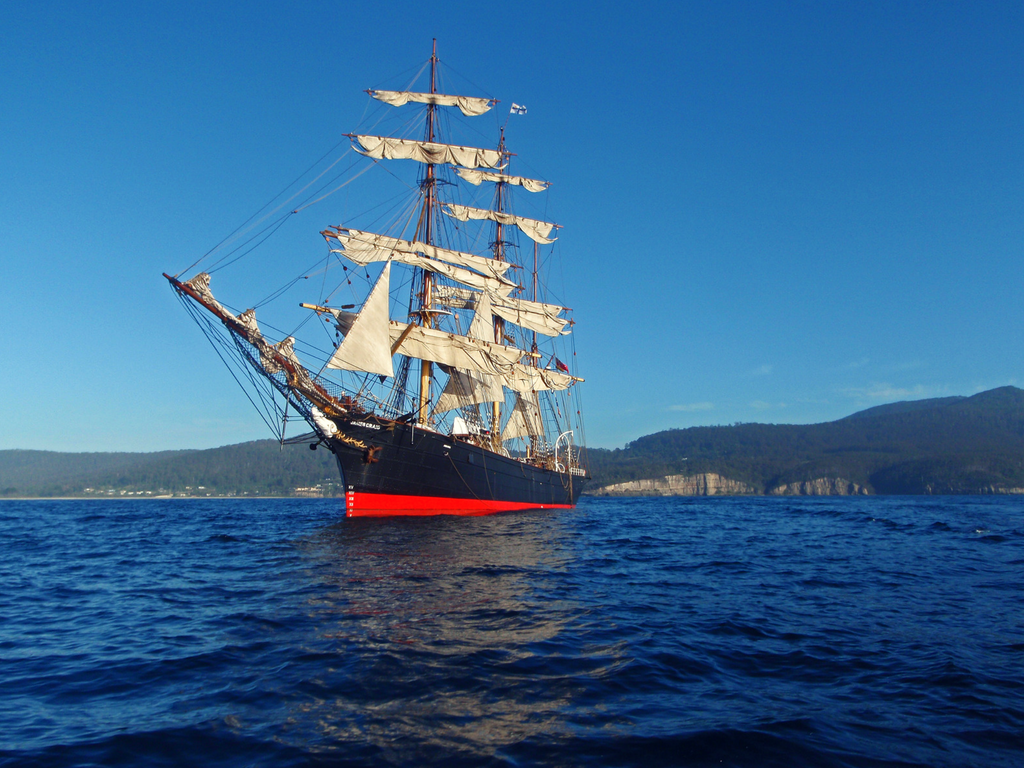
pixel 703 632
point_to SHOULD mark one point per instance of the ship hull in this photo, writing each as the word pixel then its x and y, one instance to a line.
pixel 392 469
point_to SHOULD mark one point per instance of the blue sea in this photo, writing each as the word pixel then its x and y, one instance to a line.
pixel 678 631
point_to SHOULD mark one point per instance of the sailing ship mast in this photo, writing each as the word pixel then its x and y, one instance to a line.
pixel 499 255
pixel 427 236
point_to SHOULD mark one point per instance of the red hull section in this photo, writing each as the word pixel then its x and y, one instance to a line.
pixel 390 505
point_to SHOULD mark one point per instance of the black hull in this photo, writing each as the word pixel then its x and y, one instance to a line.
pixel 394 468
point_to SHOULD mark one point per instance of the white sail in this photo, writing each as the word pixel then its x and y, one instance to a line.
pixel 525 420
pixel 527 378
pixel 471 106
pixel 475 176
pixel 466 388
pixel 451 349
pixel 367 345
pixel 532 228
pixel 386 148
pixel 532 315
pixel 460 274
pixel 363 256
pixel 482 326
pixel 471 387
pixel 286 349
pixel 354 239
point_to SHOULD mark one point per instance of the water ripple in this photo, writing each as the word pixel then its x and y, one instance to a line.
pixel 743 632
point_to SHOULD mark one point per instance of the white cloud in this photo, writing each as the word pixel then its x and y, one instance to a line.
pixel 907 365
pixel 1005 383
pixel 761 405
pixel 762 370
pixel 705 406
pixel 889 392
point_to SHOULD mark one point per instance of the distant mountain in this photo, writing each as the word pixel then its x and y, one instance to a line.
pixel 23 470
pixel 944 445
pixel 906 406
pixel 258 468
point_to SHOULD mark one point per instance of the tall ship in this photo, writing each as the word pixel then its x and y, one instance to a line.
pixel 426 349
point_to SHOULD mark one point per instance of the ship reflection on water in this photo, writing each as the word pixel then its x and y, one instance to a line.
pixel 440 581
pixel 443 631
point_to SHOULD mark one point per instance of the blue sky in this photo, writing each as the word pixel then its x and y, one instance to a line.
pixel 776 212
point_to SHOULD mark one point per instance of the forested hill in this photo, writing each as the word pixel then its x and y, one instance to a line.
pixel 260 468
pixel 945 445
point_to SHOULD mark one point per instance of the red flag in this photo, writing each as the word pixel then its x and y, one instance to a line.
pixel 561 366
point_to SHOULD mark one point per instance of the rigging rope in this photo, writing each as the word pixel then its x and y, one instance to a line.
pixel 257 213
pixel 216 341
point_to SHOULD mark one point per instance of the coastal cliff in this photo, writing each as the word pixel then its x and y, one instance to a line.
pixel 948 445
pixel 711 484
pixel 823 486
pixel 705 484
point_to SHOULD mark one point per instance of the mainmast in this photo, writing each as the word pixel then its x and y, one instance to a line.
pixel 499 255
pixel 425 233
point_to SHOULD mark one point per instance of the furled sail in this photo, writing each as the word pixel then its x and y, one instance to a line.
pixel 525 420
pixel 386 148
pixel 343 319
pixel 451 349
pixel 532 315
pixel 475 176
pixel 532 228
pixel 355 240
pixel 366 349
pixel 460 274
pixel 286 348
pixel 269 353
pixel 247 320
pixel 201 285
pixel 471 106
pixel 456 298
pixel 527 378
pixel 367 345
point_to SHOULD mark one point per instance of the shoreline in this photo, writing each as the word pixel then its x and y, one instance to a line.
pixel 158 498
